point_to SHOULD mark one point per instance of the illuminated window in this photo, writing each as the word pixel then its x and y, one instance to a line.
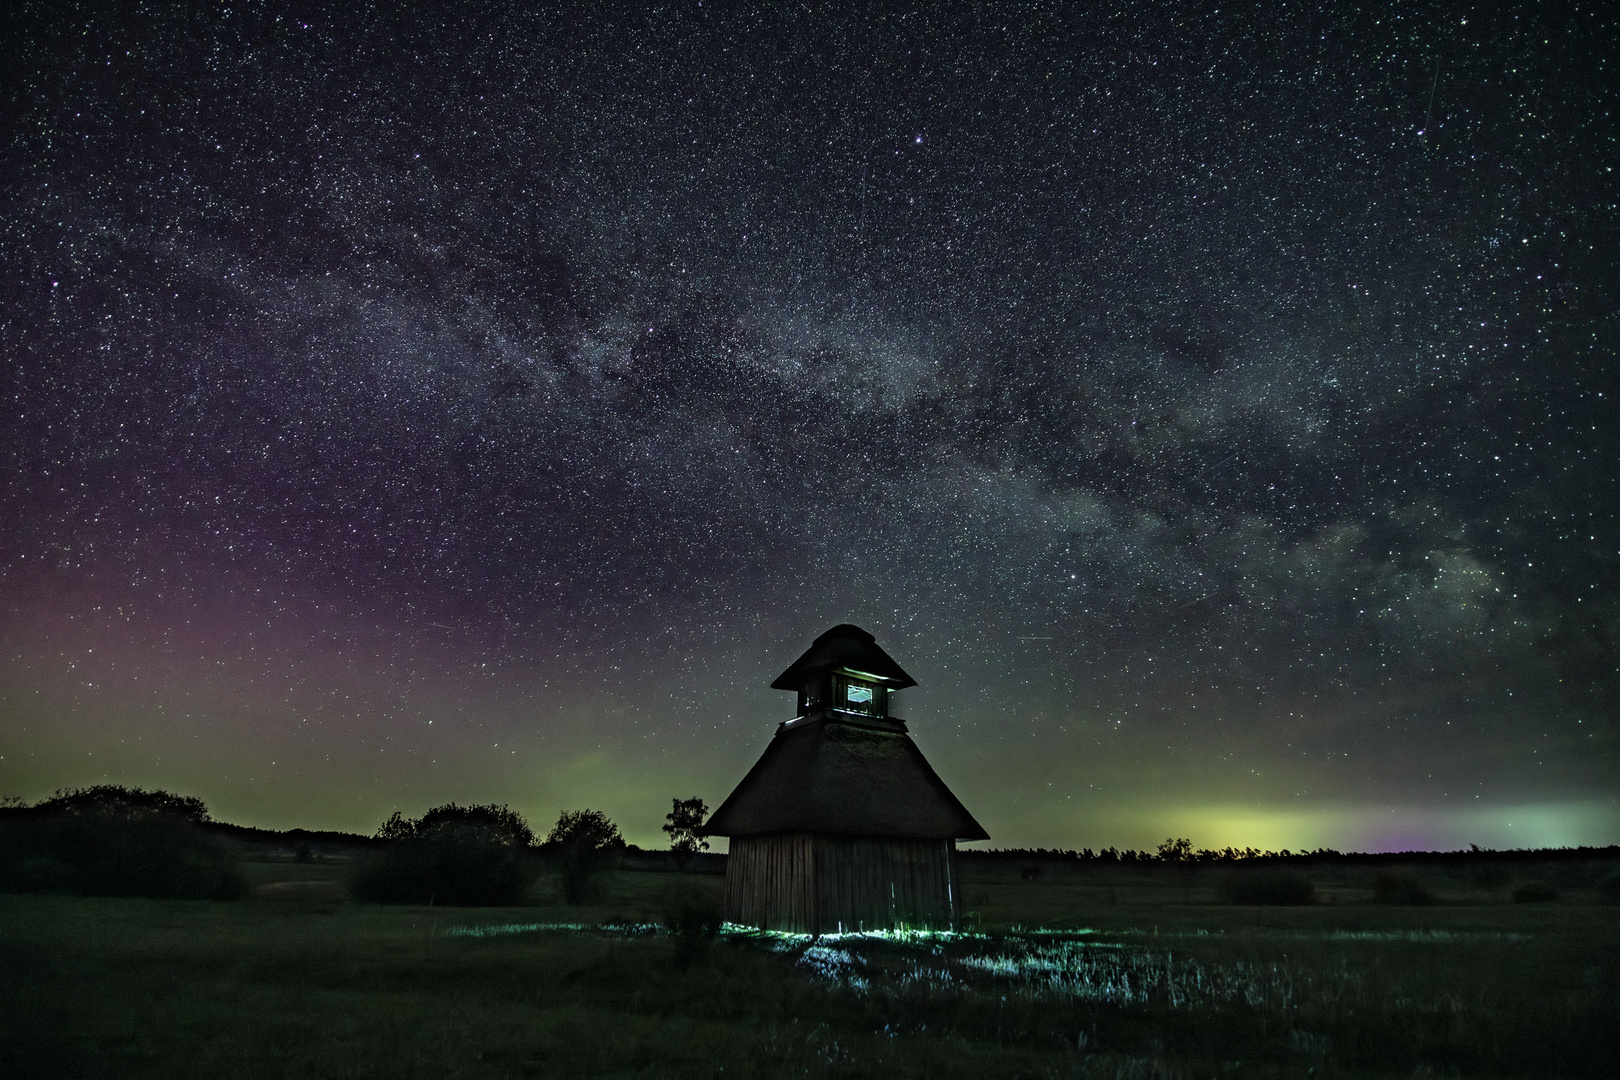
pixel 854 695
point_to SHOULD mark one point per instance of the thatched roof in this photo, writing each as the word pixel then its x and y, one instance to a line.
pixel 844 646
pixel 828 776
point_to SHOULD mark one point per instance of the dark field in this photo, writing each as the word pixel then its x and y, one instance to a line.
pixel 1168 982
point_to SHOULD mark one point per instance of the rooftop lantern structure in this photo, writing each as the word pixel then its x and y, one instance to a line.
pixel 842 825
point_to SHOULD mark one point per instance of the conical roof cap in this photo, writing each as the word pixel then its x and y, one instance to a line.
pixel 844 646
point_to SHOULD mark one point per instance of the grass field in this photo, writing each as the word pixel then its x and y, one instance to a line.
pixel 1087 972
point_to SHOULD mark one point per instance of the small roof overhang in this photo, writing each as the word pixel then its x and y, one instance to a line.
pixel 848 648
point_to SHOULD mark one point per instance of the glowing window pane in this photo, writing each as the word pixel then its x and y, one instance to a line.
pixel 860 695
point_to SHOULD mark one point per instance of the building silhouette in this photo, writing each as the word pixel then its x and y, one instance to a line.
pixel 842 825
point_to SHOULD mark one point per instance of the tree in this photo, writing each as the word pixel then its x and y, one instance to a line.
pixel 126 804
pixel 584 830
pixel 463 855
pixel 682 824
pixel 585 843
pixel 498 823
pixel 1175 850
pixel 111 840
pixel 398 827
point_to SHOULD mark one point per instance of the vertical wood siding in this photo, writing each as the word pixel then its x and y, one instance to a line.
pixel 820 884
pixel 768 881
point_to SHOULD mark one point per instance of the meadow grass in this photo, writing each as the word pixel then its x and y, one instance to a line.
pixel 1121 973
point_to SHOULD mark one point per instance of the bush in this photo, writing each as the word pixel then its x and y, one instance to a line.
pixel 693 919
pixel 1400 887
pixel 1488 877
pixel 460 870
pixel 1534 892
pixel 1609 889
pixel 1272 887
pixel 462 856
pixel 115 841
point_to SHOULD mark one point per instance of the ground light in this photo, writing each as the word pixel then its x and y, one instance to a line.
pixel 1118 967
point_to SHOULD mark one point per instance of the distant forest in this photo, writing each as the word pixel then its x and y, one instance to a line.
pixel 1253 856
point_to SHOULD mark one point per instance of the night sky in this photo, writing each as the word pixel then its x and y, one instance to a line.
pixel 1212 408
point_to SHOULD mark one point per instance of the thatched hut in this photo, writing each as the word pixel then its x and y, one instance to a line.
pixel 842 825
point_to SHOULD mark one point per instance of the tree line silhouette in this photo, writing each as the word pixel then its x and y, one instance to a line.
pixel 111 840
pixel 1180 852
pixel 114 840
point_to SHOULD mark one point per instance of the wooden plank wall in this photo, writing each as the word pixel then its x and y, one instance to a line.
pixel 768 882
pixel 813 883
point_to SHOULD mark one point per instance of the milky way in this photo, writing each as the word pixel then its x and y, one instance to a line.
pixel 1213 410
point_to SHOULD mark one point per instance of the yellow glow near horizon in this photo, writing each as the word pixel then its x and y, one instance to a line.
pixel 1386 828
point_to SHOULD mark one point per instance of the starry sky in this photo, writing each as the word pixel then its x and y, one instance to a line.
pixel 1212 407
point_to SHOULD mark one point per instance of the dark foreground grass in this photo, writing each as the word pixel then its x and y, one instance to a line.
pixel 1168 985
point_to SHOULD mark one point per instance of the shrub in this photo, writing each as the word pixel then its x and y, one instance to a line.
pixel 1534 892
pixel 115 841
pixel 462 856
pixel 1400 887
pixel 1609 889
pixel 1273 887
pixel 693 919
